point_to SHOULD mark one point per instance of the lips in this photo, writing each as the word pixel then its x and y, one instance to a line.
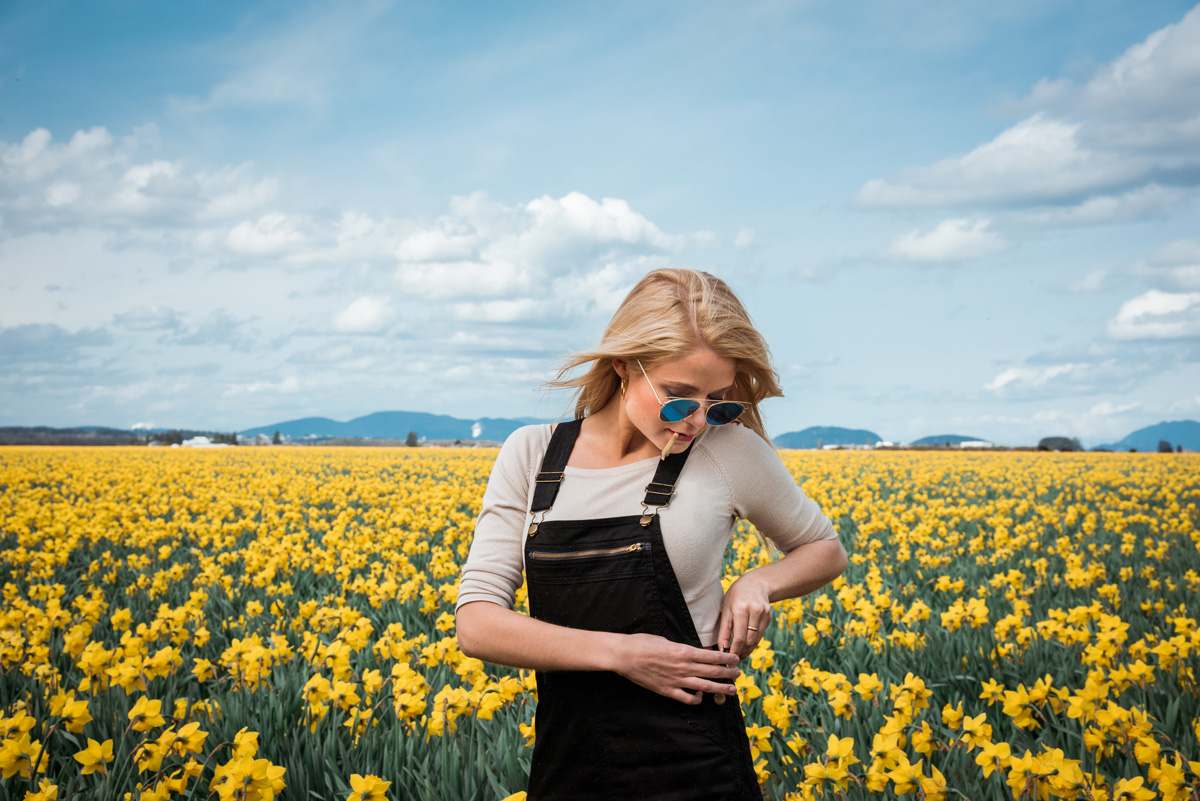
pixel 684 437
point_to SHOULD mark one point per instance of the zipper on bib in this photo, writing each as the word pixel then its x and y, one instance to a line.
pixel 637 546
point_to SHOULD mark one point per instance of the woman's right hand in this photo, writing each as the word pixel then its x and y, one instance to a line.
pixel 492 633
pixel 673 669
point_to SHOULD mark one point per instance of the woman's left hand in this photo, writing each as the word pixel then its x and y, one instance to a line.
pixel 746 609
pixel 745 615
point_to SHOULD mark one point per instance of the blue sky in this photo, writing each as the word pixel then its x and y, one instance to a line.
pixel 951 217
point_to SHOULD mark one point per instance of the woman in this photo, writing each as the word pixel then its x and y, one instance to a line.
pixel 634 643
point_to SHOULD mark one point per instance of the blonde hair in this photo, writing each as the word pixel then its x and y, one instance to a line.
pixel 665 316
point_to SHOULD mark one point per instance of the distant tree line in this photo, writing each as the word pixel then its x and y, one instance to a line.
pixel 1073 444
pixel 45 435
pixel 177 436
pixel 1059 444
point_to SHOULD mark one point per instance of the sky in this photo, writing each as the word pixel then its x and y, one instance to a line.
pixel 952 217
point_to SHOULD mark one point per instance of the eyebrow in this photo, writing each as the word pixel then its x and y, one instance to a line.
pixel 689 388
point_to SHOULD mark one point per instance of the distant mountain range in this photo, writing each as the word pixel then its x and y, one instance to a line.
pixel 1180 432
pixel 395 425
pixel 818 436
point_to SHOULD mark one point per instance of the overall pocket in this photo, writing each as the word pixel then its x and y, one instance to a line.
pixel 606 586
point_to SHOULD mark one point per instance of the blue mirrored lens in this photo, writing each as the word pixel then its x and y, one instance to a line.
pixel 725 412
pixel 676 410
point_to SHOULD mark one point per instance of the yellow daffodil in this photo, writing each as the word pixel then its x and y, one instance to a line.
pixel 367 788
pixel 46 791
pixel 146 714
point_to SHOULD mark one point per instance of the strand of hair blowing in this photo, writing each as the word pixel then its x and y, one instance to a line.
pixel 666 315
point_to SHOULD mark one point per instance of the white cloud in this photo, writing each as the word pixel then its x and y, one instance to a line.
pixel 1030 376
pixel 578 216
pixel 951 240
pixel 1175 265
pixel 145 318
pixel 47 343
pixel 480 249
pixel 1144 203
pixel 94 180
pixel 546 259
pixel 1092 282
pixel 601 289
pixel 287 386
pixel 1108 408
pixel 1154 82
pixel 744 238
pixel 464 279
pixel 1158 315
pixel 550 231
pixel 1133 124
pixel 62 193
pixel 363 316
pixel 1038 159
pixel 272 234
pixel 37 157
pixel 501 311
pixel 144 188
pixel 437 244
pixel 235 193
pixel 99 208
pixel 1181 251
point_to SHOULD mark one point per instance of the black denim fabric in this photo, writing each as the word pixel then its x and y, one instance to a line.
pixel 599 735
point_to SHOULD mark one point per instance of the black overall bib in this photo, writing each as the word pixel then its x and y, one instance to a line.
pixel 599 735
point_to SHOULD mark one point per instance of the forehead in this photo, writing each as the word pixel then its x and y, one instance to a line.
pixel 700 369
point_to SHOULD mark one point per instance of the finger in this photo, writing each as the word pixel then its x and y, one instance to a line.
pixel 711 687
pixel 724 630
pixel 764 622
pixel 738 642
pixel 717 673
pixel 683 696
pixel 754 631
pixel 707 656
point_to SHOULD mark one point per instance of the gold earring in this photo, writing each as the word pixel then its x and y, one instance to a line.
pixel 622 387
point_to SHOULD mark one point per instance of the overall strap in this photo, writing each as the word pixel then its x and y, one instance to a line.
pixel 550 474
pixel 658 491
pixel 661 487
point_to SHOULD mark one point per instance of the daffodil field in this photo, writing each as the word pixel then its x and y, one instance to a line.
pixel 278 622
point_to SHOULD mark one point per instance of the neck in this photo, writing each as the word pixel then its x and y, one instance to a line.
pixel 612 434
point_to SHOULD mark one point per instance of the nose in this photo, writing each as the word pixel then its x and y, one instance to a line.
pixel 698 422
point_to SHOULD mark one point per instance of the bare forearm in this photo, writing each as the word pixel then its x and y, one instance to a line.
pixel 494 634
pixel 746 608
pixel 806 569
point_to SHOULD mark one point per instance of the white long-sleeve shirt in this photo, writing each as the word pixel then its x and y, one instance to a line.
pixel 732 474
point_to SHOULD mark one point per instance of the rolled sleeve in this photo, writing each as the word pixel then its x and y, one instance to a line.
pixel 494 566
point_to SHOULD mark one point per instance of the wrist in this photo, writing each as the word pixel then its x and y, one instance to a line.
pixel 608 651
pixel 759 582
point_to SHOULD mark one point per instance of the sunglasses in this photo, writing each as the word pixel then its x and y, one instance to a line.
pixel 716 413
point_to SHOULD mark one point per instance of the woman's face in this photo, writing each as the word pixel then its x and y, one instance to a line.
pixel 700 374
